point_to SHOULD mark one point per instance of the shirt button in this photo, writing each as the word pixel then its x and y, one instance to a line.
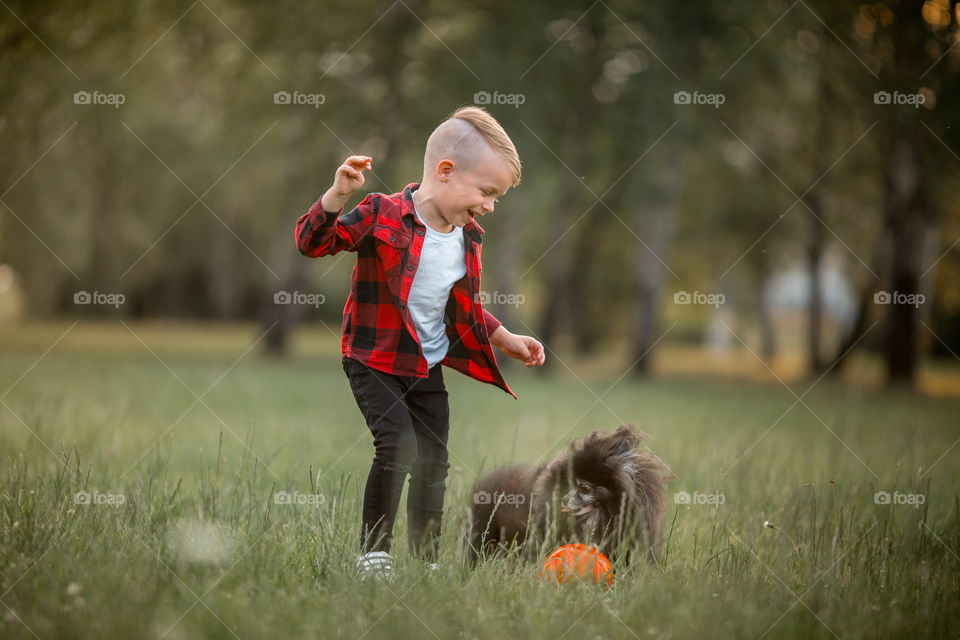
pixel 419 232
pixel 391 238
pixel 409 267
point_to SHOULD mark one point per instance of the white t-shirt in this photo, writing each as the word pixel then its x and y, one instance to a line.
pixel 442 263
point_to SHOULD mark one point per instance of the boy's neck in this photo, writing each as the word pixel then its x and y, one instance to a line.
pixel 429 212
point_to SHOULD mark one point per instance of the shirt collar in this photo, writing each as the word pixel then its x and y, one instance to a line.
pixel 472 228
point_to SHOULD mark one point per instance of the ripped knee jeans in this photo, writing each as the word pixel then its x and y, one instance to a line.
pixel 409 418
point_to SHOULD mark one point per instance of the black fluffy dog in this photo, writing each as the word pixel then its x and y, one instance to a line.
pixel 607 490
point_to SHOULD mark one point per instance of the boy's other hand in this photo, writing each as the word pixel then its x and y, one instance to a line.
pixel 347 181
pixel 523 348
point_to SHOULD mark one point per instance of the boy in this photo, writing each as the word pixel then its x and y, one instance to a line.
pixel 414 305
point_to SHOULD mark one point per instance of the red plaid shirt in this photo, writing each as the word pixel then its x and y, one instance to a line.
pixel 378 328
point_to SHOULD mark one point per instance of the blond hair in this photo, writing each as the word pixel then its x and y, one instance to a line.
pixel 460 135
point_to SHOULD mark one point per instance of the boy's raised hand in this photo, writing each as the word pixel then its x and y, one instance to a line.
pixel 349 177
pixel 346 182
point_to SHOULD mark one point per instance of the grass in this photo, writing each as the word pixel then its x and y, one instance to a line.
pixel 200 548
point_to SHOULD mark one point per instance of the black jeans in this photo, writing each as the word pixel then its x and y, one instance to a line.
pixel 409 418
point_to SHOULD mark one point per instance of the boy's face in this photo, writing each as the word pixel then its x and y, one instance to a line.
pixel 466 194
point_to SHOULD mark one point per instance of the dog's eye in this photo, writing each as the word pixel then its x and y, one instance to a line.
pixel 583 488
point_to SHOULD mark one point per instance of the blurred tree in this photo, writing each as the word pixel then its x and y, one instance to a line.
pixel 911 43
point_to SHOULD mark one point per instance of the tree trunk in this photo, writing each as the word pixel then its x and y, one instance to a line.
pixel 908 225
pixel 223 284
pixel 815 216
pixel 560 292
pixel 101 274
pixel 768 337
pixel 581 309
pixel 556 289
pixel 656 224
pixel 815 302
pixel 290 265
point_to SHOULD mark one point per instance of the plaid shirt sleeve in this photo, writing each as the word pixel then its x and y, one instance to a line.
pixel 325 233
pixel 492 323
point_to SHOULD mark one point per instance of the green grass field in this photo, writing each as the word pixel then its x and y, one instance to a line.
pixel 195 439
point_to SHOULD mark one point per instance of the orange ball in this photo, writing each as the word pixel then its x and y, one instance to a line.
pixel 578 563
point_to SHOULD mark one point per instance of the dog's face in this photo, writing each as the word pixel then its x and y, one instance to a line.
pixel 601 466
pixel 584 498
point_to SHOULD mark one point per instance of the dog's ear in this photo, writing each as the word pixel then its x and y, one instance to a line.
pixel 627 438
pixel 622 447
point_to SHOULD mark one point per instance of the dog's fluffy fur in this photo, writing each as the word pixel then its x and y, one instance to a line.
pixel 606 489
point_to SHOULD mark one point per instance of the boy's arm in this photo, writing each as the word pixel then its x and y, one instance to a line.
pixel 322 231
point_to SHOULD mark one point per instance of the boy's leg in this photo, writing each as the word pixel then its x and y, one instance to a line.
pixel 380 397
pixel 430 411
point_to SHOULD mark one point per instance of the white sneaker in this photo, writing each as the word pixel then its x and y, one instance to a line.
pixel 378 564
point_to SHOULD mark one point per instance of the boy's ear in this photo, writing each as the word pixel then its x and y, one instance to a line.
pixel 445 169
